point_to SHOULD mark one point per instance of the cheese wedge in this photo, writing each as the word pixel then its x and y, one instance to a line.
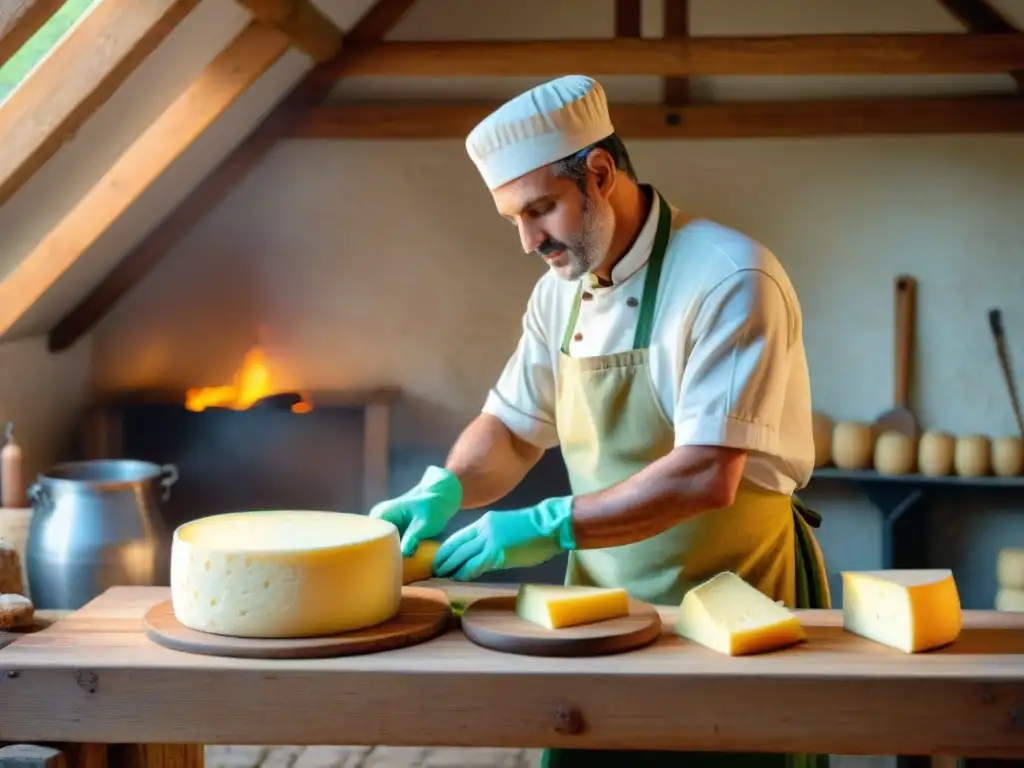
pixel 910 610
pixel 557 607
pixel 420 564
pixel 285 573
pixel 728 615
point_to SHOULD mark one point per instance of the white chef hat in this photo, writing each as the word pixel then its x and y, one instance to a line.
pixel 551 121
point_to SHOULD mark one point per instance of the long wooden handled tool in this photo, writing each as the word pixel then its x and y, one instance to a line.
pixel 995 321
pixel 900 418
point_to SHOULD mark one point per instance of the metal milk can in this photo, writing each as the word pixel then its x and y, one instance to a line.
pixel 95 525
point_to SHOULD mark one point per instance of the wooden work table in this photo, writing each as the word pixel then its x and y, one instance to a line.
pixel 93 676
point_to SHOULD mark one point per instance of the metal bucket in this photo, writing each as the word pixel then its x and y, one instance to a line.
pixel 96 525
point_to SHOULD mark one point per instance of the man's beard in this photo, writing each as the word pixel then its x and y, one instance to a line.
pixel 590 248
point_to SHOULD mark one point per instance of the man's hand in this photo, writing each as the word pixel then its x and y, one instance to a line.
pixel 424 511
pixel 508 539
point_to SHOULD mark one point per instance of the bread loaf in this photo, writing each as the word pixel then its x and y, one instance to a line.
pixel 10 571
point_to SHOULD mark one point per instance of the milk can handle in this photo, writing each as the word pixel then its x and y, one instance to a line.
pixel 168 477
pixel 37 494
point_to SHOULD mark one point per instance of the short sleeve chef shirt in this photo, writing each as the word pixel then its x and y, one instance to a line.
pixel 727 359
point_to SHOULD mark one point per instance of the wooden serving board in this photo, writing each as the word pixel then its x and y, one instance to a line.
pixel 492 623
pixel 424 614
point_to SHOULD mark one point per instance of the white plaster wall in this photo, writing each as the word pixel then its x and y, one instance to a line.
pixel 384 263
pixel 43 395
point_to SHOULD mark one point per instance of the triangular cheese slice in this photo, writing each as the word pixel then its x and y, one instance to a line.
pixel 728 615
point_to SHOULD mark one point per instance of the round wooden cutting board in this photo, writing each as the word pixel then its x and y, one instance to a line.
pixel 424 614
pixel 492 623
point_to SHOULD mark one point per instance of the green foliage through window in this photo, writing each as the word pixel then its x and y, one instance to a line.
pixel 40 44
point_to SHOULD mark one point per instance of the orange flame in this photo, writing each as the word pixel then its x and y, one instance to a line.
pixel 251 383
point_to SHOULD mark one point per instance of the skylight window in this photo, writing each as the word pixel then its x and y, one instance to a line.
pixel 14 71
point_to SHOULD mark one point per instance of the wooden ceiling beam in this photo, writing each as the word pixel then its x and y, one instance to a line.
pixel 627 18
pixel 216 88
pixel 76 78
pixel 280 123
pixel 979 17
pixel 453 120
pixel 676 13
pixel 917 54
pixel 19 20
pixel 309 29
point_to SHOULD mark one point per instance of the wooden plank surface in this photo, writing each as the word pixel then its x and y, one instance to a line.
pixel 854 117
pixel 913 54
pixel 94 677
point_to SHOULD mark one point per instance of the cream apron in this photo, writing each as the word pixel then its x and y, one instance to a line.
pixel 610 426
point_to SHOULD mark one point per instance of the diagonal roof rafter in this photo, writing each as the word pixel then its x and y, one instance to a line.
pixel 278 125
pixel 77 78
pixel 19 20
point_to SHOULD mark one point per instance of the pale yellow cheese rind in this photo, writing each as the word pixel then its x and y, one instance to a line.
pixel 728 615
pixel 558 607
pixel 906 609
pixel 420 564
pixel 288 573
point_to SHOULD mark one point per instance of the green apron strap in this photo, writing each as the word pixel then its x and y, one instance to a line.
pixel 571 325
pixel 645 323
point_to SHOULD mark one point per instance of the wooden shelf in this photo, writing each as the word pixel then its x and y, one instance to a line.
pixel 871 476
pixel 904 536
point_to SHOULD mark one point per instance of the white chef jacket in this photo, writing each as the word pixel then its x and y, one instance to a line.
pixel 726 359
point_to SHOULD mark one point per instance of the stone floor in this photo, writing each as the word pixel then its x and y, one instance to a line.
pixel 369 757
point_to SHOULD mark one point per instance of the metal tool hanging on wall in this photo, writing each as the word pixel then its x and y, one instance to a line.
pixel 995 321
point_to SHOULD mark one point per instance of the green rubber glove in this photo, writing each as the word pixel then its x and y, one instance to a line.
pixel 423 511
pixel 507 539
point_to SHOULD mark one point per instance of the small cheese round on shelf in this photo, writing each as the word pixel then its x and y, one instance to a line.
pixel 285 573
pixel 1007 456
pixel 972 456
pixel 935 453
pixel 1010 568
pixel 852 445
pixel 1009 599
pixel 895 454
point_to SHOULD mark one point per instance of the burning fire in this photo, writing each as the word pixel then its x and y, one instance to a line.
pixel 251 384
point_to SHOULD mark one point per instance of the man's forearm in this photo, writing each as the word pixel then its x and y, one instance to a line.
pixel 489 461
pixel 686 482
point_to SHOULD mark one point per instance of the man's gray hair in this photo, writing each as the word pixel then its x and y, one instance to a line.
pixel 574 166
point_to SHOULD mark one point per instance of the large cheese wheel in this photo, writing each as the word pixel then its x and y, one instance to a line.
pixel 1007 456
pixel 1010 567
pixel 895 454
pixel 935 453
pixel 285 573
pixel 972 456
pixel 822 430
pixel 852 445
